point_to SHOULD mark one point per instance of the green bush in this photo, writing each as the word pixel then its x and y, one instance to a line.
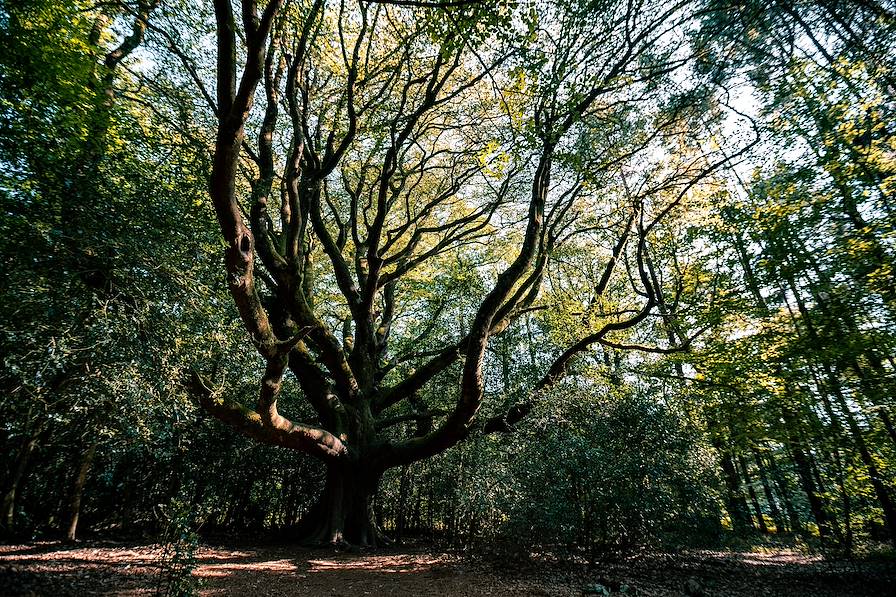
pixel 179 545
pixel 608 471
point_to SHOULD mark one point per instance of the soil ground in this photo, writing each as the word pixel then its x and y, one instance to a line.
pixel 107 568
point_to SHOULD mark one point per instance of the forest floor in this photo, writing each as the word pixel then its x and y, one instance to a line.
pixel 108 568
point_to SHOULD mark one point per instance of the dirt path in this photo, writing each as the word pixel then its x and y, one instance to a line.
pixel 49 568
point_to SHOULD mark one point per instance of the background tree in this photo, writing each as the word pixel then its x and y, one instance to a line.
pixel 94 318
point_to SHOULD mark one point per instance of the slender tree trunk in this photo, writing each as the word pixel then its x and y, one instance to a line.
pixel 238 516
pixel 417 518
pixel 847 502
pixel 760 518
pixel 455 499
pixel 749 275
pixel 781 483
pixel 888 423
pixel 880 490
pixel 767 489
pixel 7 511
pixel 430 510
pixel 874 392
pixel 804 471
pixel 874 475
pixel 401 516
pixel 736 503
pixel 78 492
pixel 819 481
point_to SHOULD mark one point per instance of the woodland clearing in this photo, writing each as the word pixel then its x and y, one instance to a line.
pixel 109 568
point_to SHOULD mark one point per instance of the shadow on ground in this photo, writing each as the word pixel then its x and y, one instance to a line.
pixel 105 568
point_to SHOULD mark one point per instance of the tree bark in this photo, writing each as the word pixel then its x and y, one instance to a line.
pixel 748 482
pixel 735 503
pixel 78 492
pixel 783 487
pixel 767 489
pixel 874 475
pixel 9 498
pixel 344 513
pixel 401 516
pixel 805 474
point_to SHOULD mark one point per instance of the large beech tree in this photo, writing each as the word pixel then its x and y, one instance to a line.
pixel 360 143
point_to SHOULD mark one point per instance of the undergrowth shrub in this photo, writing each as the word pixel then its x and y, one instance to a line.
pixel 180 543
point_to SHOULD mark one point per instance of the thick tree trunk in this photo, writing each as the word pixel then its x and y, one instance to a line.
pixel 344 513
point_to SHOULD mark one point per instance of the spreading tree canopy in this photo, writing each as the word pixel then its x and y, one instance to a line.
pixel 362 146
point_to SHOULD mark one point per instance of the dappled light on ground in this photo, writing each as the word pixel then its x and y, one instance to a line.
pixel 386 564
pixel 776 558
pixel 52 568
pixel 276 566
